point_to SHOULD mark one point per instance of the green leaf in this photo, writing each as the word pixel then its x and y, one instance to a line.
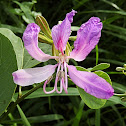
pixel 100 66
pixel 112 4
pixel 39 93
pixel 27 11
pixel 91 101
pixel 79 114
pixel 105 11
pixel 117 100
pixel 107 60
pixel 29 61
pixel 16 43
pixel 121 36
pixel 81 68
pixel 36 119
pixel 119 87
pixel 15 29
pixel 7 66
pixel 111 19
pixel 115 28
pixel 103 75
pixel 23 117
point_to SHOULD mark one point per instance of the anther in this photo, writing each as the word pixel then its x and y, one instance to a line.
pixel 61 74
pixel 49 79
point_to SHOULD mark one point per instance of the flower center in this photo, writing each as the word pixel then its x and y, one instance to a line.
pixel 63 58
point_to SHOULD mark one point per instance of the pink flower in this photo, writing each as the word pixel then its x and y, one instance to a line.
pixel 87 38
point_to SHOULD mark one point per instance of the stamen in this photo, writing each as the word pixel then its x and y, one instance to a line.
pixel 66 79
pixel 44 86
pixel 65 89
pixel 57 78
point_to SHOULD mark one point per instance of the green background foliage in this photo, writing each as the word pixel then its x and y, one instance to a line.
pixel 63 109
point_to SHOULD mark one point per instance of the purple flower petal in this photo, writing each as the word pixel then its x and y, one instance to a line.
pixel 30 38
pixel 91 83
pixel 87 38
pixel 25 77
pixel 61 32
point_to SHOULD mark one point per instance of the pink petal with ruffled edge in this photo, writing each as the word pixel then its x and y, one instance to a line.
pixel 25 77
pixel 30 38
pixel 61 32
pixel 87 38
pixel 91 83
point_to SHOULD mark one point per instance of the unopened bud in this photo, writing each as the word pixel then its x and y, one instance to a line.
pixel 55 52
pixel 44 26
pixel 68 49
pixel 119 68
pixel 59 22
pixel 44 39
pixel 124 65
pixel 72 38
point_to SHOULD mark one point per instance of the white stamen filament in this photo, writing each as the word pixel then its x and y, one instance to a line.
pixel 44 86
pixel 56 80
pixel 66 81
pixel 61 76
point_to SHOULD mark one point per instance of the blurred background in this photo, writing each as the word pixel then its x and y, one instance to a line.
pixel 16 14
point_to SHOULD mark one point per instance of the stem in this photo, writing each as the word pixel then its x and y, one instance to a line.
pixel 124 72
pixel 18 101
pixel 97 117
pixel 12 118
pixel 120 95
pixel 112 72
pixel 20 93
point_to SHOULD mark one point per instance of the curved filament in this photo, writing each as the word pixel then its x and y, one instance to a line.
pixel 56 80
pixel 44 86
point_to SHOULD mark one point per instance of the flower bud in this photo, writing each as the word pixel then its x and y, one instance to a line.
pixel 44 26
pixel 44 39
pixel 72 38
pixel 55 52
pixel 124 65
pixel 68 49
pixel 119 68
